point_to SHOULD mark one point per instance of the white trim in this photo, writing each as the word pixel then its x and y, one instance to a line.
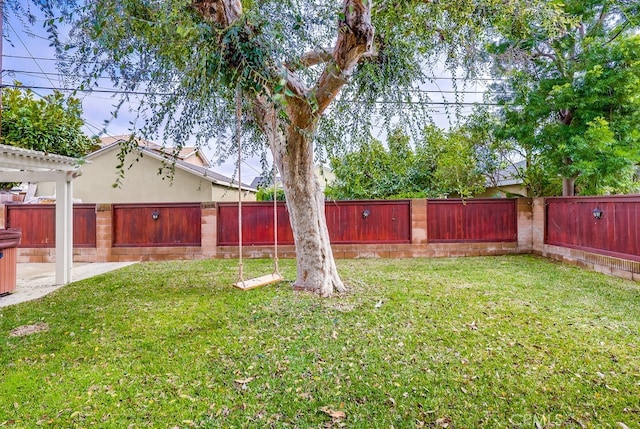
pixel 32 160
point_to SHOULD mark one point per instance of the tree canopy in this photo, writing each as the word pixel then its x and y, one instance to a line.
pixel 569 94
pixel 51 124
pixel 188 68
pixel 441 164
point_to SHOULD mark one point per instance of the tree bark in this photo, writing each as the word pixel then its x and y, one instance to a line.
pixel 568 186
pixel 316 268
pixel 292 148
pixel 568 183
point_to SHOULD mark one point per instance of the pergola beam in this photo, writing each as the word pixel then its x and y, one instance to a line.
pixel 36 176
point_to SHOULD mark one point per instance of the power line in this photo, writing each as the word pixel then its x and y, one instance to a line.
pixel 24 57
pixel 125 92
pixel 416 90
pixel 475 79
pixel 28 51
pixel 98 90
pixel 37 74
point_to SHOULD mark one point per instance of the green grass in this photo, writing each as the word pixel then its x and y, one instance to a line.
pixel 504 342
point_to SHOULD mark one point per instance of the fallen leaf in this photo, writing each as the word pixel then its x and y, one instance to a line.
pixel 334 335
pixel 443 422
pixel 473 326
pixel 379 304
pixel 334 414
pixel 245 380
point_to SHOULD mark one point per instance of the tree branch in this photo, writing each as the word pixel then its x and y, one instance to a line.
pixel 355 39
pixel 311 58
pixel 538 54
pixel 222 12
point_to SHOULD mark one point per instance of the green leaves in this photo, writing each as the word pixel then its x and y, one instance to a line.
pixel 51 124
pixel 442 164
pixel 572 106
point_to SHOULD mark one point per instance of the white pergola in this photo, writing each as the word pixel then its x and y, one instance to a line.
pixel 23 165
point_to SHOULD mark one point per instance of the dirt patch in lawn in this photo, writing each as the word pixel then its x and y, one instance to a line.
pixel 23 331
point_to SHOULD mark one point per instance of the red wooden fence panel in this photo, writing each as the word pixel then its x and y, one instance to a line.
pixel 384 222
pixel 369 222
pixel 257 224
pixel 157 225
pixel 570 223
pixel 84 225
pixel 472 220
pixel 38 224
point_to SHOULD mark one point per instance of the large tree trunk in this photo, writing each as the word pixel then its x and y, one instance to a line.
pixel 292 147
pixel 568 183
pixel 305 200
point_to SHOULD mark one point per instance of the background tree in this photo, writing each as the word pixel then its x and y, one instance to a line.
pixel 444 163
pixel 51 124
pixel 290 61
pixel 458 160
pixel 374 171
pixel 265 193
pixel 502 158
pixel 569 94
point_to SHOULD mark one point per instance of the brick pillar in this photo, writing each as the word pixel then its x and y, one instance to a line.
pixel 419 221
pixel 3 211
pixel 209 225
pixel 524 208
pixel 537 229
pixel 104 232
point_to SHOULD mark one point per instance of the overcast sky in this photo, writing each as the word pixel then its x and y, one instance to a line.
pixel 28 58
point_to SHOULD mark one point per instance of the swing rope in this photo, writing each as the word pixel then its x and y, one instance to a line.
pixel 239 144
pixel 276 268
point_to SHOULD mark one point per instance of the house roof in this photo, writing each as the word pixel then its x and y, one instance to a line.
pixel 109 140
pixel 203 172
pixel 508 175
pixel 260 181
pixel 184 153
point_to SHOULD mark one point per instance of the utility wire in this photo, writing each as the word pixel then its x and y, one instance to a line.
pixel 477 79
pixel 117 91
pixel 98 90
pixel 28 51
pixel 417 90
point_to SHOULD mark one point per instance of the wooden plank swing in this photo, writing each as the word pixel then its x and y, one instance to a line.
pixel 275 276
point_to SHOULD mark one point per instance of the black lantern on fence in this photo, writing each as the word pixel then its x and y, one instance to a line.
pixel 597 213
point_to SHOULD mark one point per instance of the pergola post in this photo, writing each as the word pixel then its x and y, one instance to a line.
pixel 64 228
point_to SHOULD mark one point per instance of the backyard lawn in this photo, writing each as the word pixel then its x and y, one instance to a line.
pixel 496 342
